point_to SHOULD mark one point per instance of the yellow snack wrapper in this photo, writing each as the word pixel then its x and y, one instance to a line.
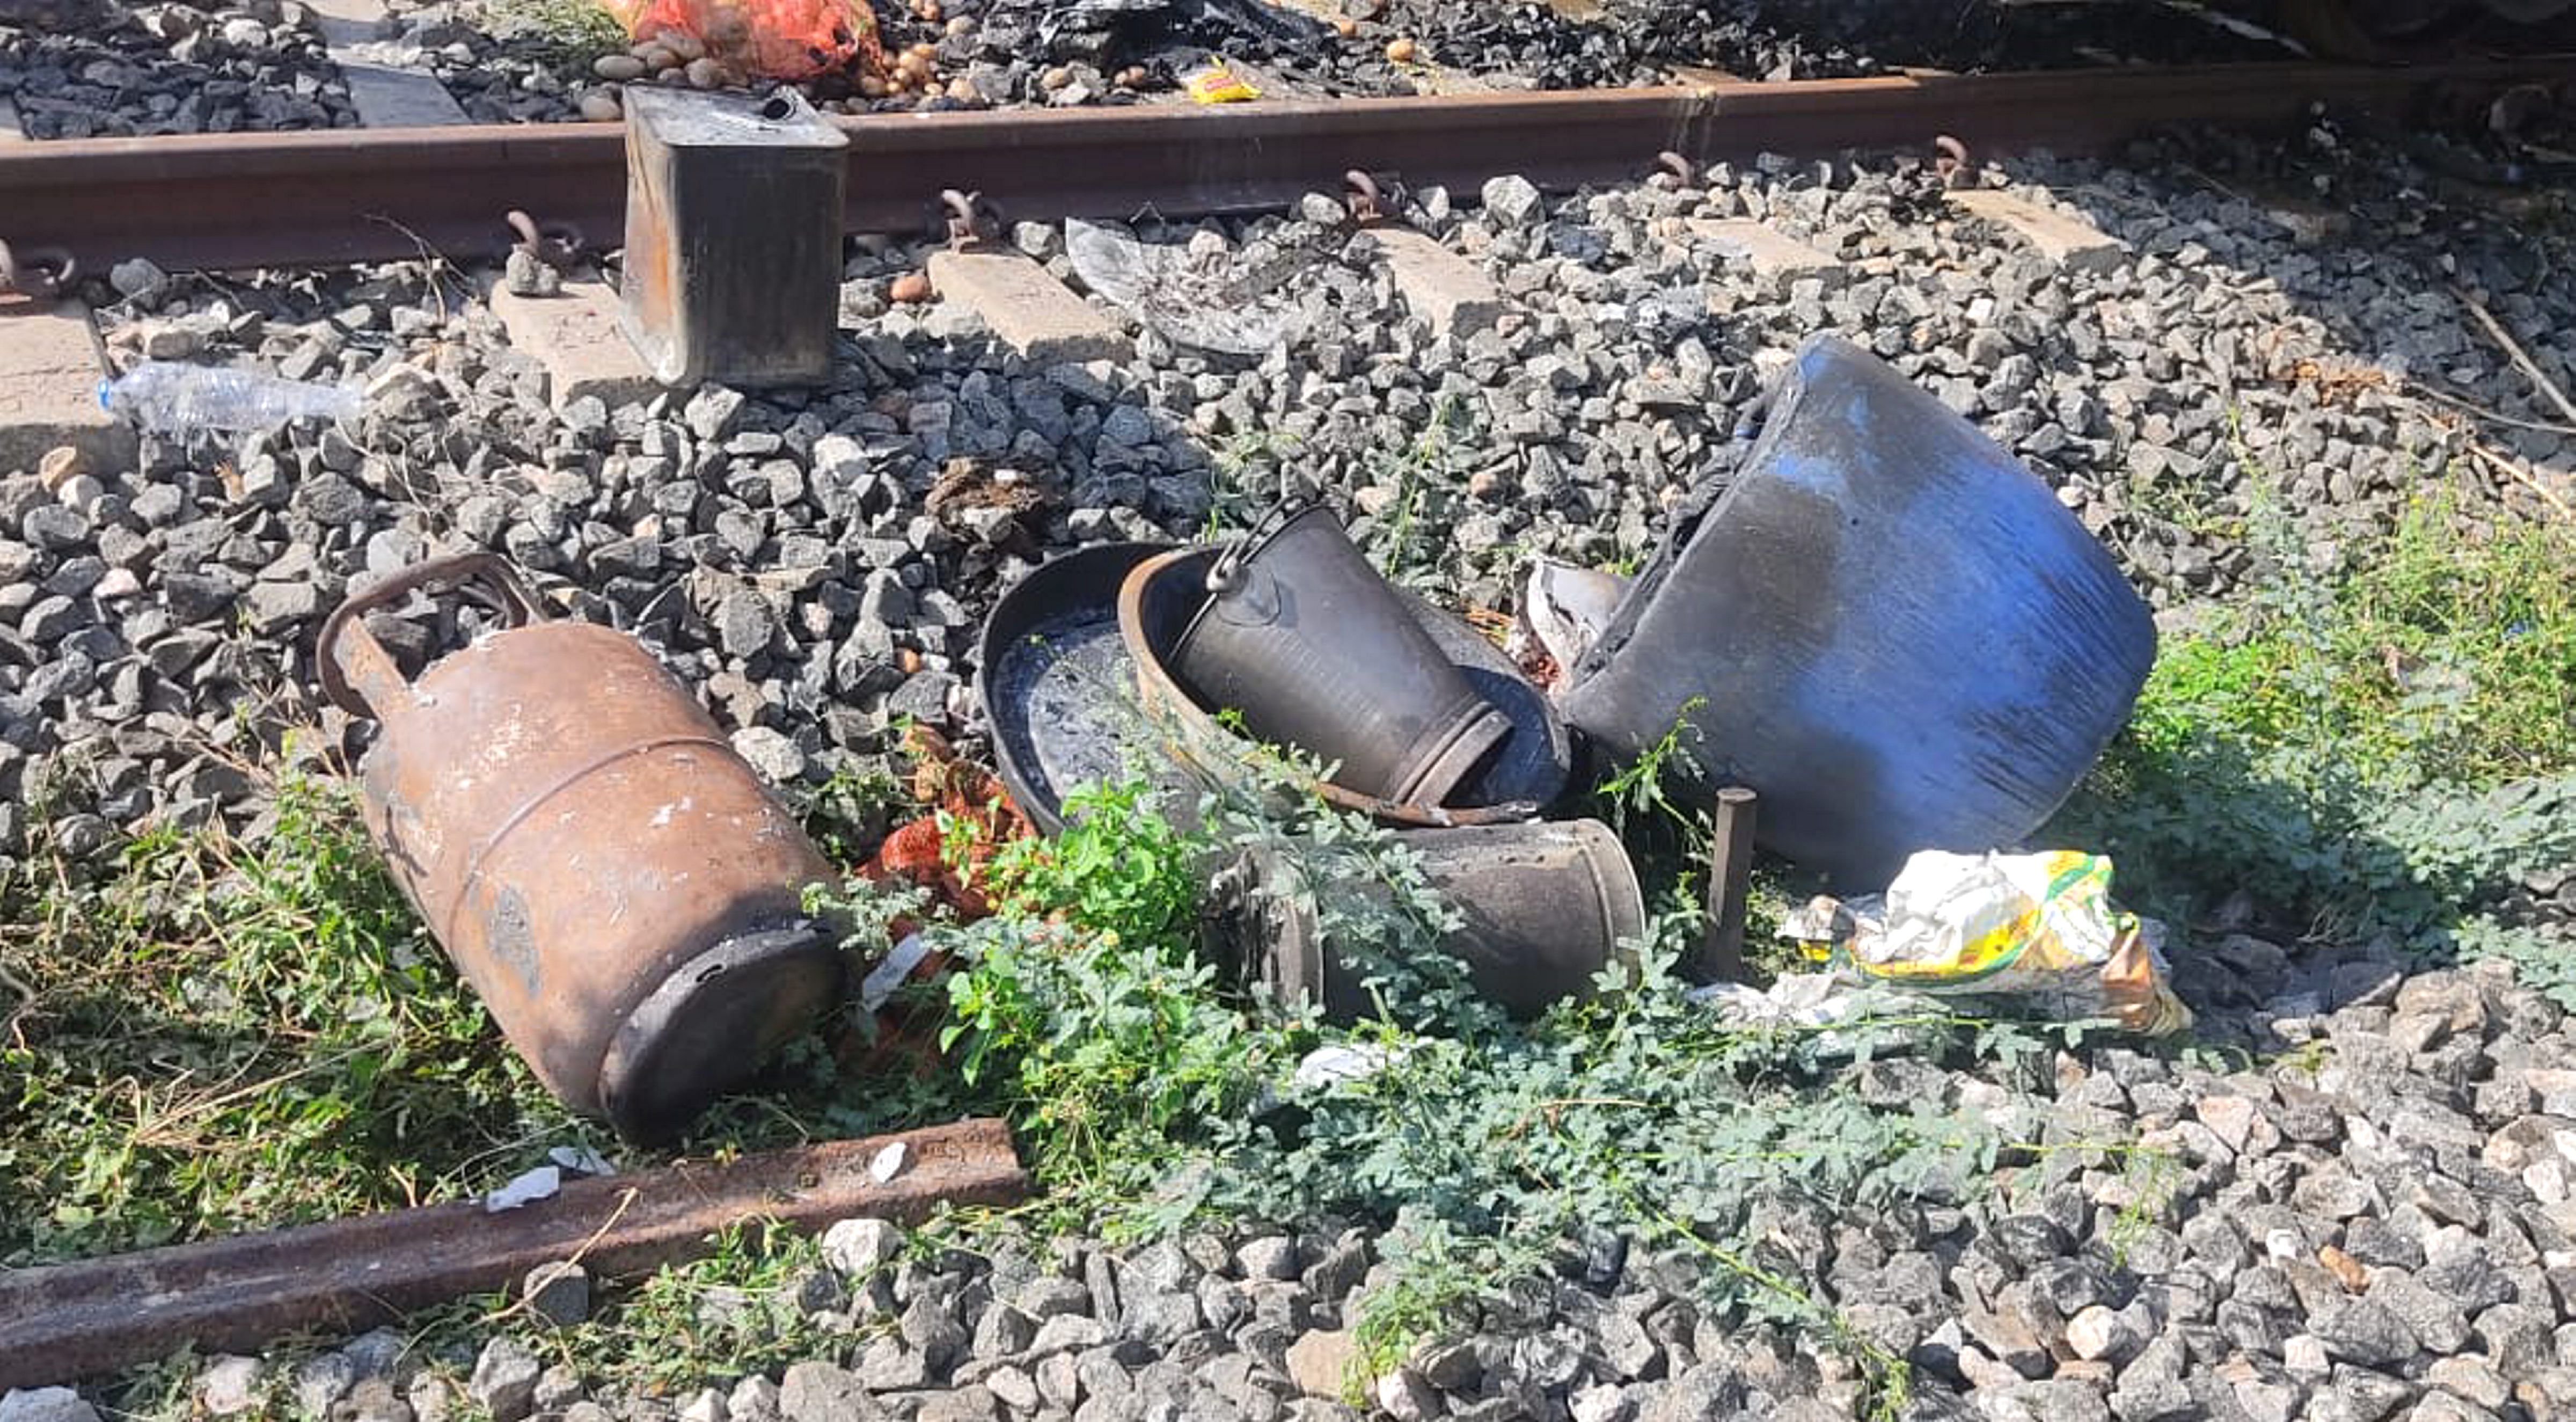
pixel 2038 927
pixel 1217 84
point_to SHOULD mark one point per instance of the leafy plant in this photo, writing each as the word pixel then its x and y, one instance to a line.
pixel 736 1310
pixel 1643 787
pixel 1086 1006
pixel 1153 1088
pixel 1119 869
pixel 565 34
pixel 1425 467
pixel 744 1305
pixel 227 1034
pixel 2384 752
pixel 852 809
pixel 1231 499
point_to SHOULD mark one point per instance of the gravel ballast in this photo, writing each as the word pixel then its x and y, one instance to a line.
pixel 174 68
pixel 985 53
pixel 2374 1225
pixel 2365 1233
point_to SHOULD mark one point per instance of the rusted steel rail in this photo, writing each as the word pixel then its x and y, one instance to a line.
pixel 71 1321
pixel 358 195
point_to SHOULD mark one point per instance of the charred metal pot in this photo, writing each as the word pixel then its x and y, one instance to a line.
pixel 614 880
pixel 1885 626
pixel 1526 772
pixel 1312 646
pixel 1547 904
pixel 1059 690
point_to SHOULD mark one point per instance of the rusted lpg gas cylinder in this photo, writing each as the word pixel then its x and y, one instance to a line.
pixel 614 880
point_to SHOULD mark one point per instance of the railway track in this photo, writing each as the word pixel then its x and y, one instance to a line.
pixel 220 201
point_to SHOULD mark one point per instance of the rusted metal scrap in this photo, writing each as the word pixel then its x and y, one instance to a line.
pixel 1544 907
pixel 342 195
pixel 69 1321
pixel 620 888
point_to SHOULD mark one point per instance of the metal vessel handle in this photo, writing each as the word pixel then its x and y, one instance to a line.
pixel 1226 573
pixel 369 673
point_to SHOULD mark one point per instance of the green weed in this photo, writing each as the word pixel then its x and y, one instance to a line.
pixel 1152 1091
pixel 850 812
pixel 732 1312
pixel 1118 870
pixel 1230 503
pixel 742 1307
pixel 566 34
pixel 1641 789
pixel 228 1034
pixel 2383 752
pixel 2153 1180
pixel 232 1033
pixel 1669 841
pixel 1427 469
pixel 2440 658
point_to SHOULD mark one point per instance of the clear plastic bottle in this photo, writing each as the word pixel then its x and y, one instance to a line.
pixel 166 397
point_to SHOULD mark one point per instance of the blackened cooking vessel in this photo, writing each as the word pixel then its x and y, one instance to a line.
pixel 1313 648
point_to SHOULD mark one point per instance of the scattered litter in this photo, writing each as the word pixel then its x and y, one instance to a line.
pixel 955 791
pixel 745 39
pixel 1846 1010
pixel 888 1163
pixel 525 1189
pixel 1205 295
pixel 2235 25
pixel 892 971
pixel 1163 35
pixel 1818 925
pixel 2038 928
pixel 1564 610
pixel 581 1160
pixel 1217 84
pixel 1332 1066
pixel 168 397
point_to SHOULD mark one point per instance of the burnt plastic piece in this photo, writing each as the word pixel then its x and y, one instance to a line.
pixel 620 888
pixel 733 236
pixel 1547 906
pixel 1892 632
pixel 1527 771
pixel 1315 649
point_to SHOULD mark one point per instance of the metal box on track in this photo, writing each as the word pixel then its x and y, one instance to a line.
pixel 733 236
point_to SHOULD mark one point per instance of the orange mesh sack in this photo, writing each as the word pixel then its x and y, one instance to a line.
pixel 774 39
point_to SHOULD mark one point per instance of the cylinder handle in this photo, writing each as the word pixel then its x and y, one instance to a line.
pixel 355 678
